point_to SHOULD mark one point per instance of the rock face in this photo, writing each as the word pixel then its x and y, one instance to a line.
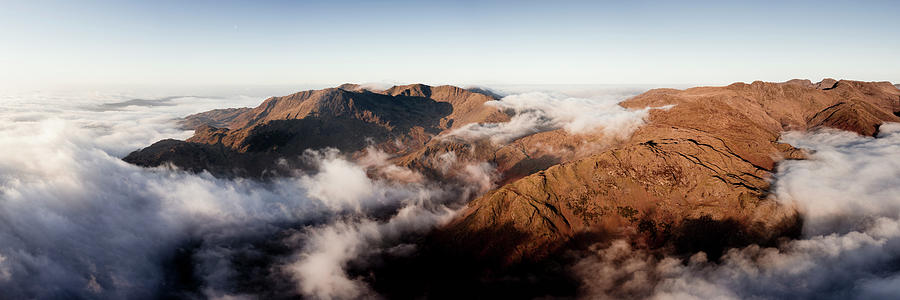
pixel 694 178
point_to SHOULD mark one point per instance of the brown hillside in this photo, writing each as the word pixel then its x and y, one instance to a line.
pixel 706 161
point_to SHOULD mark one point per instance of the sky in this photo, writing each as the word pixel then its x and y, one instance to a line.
pixel 175 43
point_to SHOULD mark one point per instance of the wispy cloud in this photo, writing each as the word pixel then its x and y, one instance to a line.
pixel 536 112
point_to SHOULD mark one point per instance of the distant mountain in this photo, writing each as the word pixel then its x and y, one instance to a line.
pixel 251 142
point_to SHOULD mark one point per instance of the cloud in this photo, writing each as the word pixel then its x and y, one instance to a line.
pixel 476 178
pixel 5 273
pixel 377 162
pixel 847 194
pixel 115 132
pixel 97 212
pixel 619 271
pixel 536 112
pixel 85 223
pixel 848 181
pixel 339 184
pixel 320 268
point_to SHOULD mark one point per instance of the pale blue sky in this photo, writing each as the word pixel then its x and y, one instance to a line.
pixel 456 42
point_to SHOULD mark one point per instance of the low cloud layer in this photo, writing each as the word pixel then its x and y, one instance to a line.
pixel 538 111
pixel 89 225
pixel 847 193
pixel 77 222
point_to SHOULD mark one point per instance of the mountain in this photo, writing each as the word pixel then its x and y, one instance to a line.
pixel 267 140
pixel 696 177
pixel 402 121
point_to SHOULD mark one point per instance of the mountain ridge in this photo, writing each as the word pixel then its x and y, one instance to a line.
pixel 703 164
pixel 707 159
pixel 397 120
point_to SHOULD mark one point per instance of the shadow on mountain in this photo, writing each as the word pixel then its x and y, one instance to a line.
pixel 348 123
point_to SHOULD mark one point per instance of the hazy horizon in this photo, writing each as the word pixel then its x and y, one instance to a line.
pixel 197 150
pixel 58 43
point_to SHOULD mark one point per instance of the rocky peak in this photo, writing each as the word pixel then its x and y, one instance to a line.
pixel 350 87
pixel 800 82
pixel 417 90
pixel 826 84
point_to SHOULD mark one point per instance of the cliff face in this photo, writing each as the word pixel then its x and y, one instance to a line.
pixel 695 171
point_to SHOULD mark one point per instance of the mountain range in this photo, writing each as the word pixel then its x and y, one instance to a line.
pixel 695 177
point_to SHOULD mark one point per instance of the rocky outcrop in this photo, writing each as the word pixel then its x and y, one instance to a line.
pixel 852 115
pixel 706 161
pixel 222 118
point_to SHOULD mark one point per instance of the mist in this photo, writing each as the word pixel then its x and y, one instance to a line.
pixel 535 112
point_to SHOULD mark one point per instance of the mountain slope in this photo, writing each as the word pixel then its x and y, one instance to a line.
pixel 705 161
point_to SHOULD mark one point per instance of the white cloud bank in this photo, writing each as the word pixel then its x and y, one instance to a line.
pixel 76 221
pixel 539 111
